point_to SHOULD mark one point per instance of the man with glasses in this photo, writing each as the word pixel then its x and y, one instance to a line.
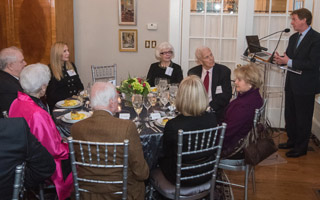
pixel 215 78
pixel 11 64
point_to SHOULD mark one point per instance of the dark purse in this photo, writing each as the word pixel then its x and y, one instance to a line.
pixel 261 144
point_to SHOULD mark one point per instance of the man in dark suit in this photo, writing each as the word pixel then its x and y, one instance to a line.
pixel 11 64
pixel 303 53
pixel 103 127
pixel 216 79
pixel 18 145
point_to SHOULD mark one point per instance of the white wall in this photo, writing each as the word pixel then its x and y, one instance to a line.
pixel 97 38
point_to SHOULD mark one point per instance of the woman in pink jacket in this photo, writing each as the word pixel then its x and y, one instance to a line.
pixel 34 80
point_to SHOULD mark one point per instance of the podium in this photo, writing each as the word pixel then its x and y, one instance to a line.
pixel 273 88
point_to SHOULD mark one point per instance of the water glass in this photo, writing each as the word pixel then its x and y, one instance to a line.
pixel 137 103
pixel 147 105
pixel 164 99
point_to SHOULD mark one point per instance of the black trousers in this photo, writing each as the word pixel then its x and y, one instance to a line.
pixel 298 117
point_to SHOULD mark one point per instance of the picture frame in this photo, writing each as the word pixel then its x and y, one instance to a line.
pixel 128 40
pixel 127 12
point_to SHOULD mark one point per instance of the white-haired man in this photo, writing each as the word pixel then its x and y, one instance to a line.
pixel 11 64
pixel 103 127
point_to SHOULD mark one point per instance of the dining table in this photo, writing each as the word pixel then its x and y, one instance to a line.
pixel 150 132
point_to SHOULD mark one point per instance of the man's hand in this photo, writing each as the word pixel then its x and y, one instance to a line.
pixel 280 59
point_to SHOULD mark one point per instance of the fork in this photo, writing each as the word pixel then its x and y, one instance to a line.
pixel 149 126
pixel 154 126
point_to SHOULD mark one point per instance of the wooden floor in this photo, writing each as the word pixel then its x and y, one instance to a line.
pixel 298 179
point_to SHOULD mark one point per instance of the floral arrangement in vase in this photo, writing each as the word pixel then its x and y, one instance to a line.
pixel 134 86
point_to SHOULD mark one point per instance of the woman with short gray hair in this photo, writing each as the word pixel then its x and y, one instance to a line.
pixel 34 80
pixel 165 68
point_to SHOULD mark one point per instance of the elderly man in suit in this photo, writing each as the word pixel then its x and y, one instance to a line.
pixel 103 127
pixel 11 64
pixel 18 145
pixel 303 53
pixel 216 79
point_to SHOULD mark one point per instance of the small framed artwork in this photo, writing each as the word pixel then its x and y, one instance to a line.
pixel 147 44
pixel 153 44
pixel 127 12
pixel 128 39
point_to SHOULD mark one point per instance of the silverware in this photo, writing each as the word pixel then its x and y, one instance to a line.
pixel 154 126
pixel 148 126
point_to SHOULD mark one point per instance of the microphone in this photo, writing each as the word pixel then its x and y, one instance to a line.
pixel 287 30
pixel 258 47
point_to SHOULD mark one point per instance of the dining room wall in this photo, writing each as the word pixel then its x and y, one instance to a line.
pixel 96 36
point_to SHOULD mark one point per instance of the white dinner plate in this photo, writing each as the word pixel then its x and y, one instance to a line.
pixel 159 122
pixel 67 117
pixel 59 104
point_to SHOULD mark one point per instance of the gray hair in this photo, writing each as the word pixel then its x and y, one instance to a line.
pixel 7 56
pixel 102 93
pixel 162 46
pixel 198 53
pixel 33 77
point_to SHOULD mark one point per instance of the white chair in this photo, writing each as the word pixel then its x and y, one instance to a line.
pixel 239 164
pixel 18 188
pixel 99 155
pixel 199 142
pixel 104 73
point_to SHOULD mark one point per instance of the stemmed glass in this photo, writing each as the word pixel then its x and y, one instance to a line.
pixel 147 105
pixel 173 89
pixel 164 98
pixel 137 102
pixel 152 98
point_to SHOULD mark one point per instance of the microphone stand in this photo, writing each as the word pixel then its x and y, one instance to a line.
pixel 272 55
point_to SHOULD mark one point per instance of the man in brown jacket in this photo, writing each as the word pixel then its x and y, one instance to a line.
pixel 103 127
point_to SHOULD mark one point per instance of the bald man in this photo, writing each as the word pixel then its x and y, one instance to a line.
pixel 103 127
pixel 11 64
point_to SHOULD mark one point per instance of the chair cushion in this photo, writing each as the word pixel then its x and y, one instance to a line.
pixel 238 162
pixel 161 183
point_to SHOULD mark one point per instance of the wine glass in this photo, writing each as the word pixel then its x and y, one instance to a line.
pixel 152 98
pixel 164 98
pixel 147 105
pixel 137 103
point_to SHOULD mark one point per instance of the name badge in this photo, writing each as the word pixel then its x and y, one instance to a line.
pixel 218 89
pixel 169 71
pixel 124 115
pixel 155 116
pixel 71 72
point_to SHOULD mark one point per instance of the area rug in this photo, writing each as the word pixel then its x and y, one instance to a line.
pixel 274 159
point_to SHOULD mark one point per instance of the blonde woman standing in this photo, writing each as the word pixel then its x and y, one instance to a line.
pixel 65 80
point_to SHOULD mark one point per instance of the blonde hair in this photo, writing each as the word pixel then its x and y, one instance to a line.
pixel 192 98
pixel 250 74
pixel 56 61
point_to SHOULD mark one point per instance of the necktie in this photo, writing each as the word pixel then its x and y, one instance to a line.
pixel 206 81
pixel 298 41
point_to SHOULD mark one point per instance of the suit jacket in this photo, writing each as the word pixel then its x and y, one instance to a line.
pixel 168 159
pixel 18 145
pixel 220 77
pixel 44 129
pixel 103 127
pixel 307 59
pixel 9 87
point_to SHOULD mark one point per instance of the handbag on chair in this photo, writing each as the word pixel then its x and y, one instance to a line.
pixel 261 145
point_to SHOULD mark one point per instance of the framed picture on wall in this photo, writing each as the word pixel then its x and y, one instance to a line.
pixel 127 12
pixel 128 39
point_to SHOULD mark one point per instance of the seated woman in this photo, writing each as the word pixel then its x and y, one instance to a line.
pixel 240 112
pixel 165 68
pixel 34 80
pixel 191 102
pixel 65 80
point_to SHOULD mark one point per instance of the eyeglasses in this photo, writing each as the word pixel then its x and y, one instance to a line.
pixel 166 53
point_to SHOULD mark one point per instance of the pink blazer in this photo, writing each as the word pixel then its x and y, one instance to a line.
pixel 44 129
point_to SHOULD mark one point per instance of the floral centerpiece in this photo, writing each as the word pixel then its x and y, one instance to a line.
pixel 134 86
